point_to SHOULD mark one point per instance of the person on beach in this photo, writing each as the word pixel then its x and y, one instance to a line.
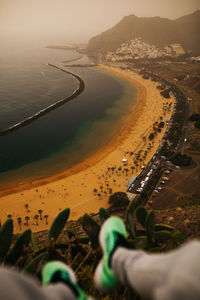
pixel 169 276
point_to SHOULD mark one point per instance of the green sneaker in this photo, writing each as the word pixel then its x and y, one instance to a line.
pixel 58 272
pixel 112 235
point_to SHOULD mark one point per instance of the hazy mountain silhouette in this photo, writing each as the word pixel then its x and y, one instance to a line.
pixel 157 31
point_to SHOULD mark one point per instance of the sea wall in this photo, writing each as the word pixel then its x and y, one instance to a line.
pixel 51 107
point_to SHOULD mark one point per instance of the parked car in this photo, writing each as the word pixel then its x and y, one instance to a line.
pixel 167 171
pixel 150 172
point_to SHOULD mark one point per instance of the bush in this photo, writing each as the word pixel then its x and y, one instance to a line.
pixel 151 136
pixel 181 159
pixel 118 199
pixel 197 124
pixel 165 93
pixel 161 124
pixel 194 117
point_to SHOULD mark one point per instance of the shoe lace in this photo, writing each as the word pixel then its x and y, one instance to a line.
pixel 59 277
pixel 118 241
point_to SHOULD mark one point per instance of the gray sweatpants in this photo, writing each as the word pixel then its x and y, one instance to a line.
pixel 16 286
pixel 170 276
pixel 174 275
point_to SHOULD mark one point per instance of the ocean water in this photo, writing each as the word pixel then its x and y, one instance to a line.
pixel 70 133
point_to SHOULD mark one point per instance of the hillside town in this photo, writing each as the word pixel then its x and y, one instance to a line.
pixel 138 49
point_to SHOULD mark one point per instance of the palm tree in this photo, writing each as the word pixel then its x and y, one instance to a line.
pixel 27 218
pixel 140 161
pixel 132 168
pixel 95 191
pixel 126 170
pixel 19 220
pixel 40 211
pixel 46 217
pixel 99 195
pixel 36 219
pixel 112 169
pixel 26 206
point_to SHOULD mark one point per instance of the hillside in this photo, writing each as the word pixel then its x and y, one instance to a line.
pixel 157 31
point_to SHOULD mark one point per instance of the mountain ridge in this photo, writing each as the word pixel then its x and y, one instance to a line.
pixel 153 30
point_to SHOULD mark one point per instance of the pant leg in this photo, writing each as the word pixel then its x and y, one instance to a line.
pixel 15 286
pixel 173 275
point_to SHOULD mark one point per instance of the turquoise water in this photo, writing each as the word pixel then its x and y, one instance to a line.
pixel 67 135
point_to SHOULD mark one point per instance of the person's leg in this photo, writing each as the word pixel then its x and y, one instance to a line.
pixel 173 275
pixel 58 279
pixel 165 276
pixel 15 286
pixel 113 234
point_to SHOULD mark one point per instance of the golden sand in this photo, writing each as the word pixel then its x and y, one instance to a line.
pixel 74 188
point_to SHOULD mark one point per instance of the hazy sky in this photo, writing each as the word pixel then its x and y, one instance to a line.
pixel 79 20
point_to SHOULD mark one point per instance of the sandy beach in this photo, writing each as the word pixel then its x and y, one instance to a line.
pixel 86 186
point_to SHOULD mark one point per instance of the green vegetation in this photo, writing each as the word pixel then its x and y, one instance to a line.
pixel 130 219
pixel 22 241
pixel 161 124
pixel 118 199
pixel 5 238
pixel 180 159
pixel 141 215
pixel 194 117
pixel 92 228
pixel 58 224
pixel 197 124
pixel 166 93
pixel 150 227
pixel 103 214
pixel 151 136
pixel 82 252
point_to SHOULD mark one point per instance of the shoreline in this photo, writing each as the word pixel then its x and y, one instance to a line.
pixel 74 187
pixel 100 154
